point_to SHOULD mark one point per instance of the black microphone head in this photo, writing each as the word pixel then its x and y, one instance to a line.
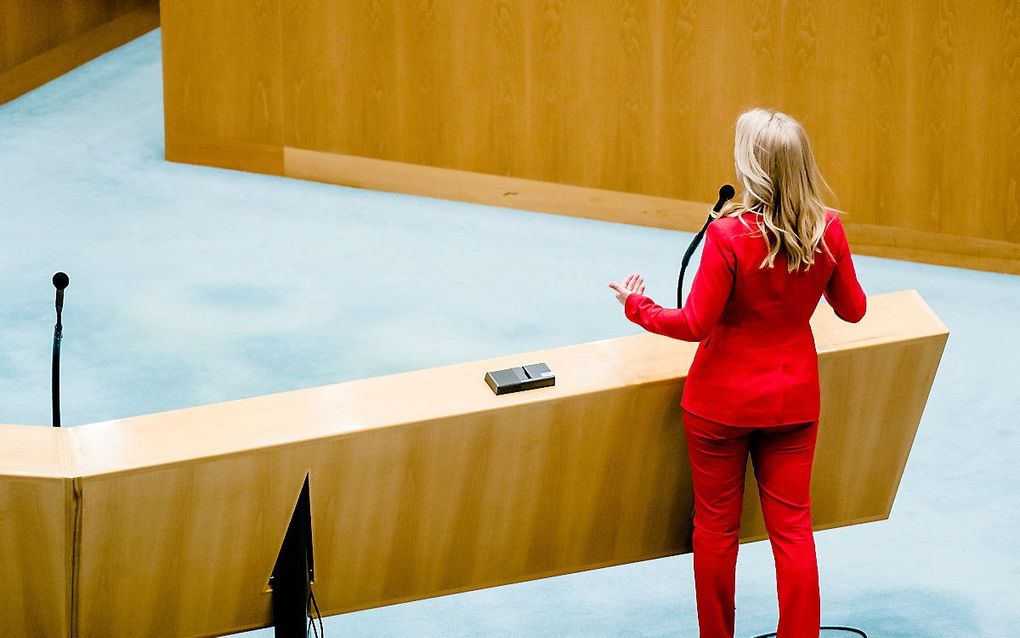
pixel 60 280
pixel 725 194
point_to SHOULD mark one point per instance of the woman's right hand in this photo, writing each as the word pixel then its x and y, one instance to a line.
pixel 633 283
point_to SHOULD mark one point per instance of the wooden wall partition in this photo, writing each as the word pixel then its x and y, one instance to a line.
pixel 43 39
pixel 618 109
pixel 421 484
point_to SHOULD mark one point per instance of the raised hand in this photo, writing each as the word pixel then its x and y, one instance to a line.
pixel 633 283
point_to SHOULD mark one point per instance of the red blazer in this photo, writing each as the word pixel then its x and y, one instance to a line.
pixel 756 364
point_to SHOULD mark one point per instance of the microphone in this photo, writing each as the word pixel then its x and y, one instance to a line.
pixel 60 281
pixel 726 193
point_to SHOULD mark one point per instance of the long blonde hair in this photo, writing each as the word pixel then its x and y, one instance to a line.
pixel 781 184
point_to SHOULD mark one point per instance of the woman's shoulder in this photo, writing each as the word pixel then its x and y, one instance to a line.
pixel 832 214
pixel 833 223
pixel 737 224
pixel 834 235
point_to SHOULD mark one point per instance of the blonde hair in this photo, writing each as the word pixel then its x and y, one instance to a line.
pixel 782 185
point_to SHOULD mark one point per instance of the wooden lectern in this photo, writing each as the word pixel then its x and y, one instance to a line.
pixel 420 484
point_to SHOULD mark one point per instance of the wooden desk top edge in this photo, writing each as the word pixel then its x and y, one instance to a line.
pixel 145 442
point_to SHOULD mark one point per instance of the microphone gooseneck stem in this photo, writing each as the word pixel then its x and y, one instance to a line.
pixel 60 282
pixel 58 334
pixel 725 194
pixel 687 258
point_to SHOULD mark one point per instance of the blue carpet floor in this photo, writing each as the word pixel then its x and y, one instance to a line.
pixel 192 285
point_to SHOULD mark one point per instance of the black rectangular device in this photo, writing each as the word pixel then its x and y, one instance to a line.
pixel 536 375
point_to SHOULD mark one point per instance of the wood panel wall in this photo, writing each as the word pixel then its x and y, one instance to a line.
pixel 43 39
pixel 911 105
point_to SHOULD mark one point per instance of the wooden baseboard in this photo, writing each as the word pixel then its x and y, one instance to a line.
pixel 242 156
pixel 627 208
pixel 495 190
pixel 563 199
pixel 934 248
pixel 57 61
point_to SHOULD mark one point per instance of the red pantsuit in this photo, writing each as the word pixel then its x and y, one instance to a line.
pixel 781 456
pixel 752 390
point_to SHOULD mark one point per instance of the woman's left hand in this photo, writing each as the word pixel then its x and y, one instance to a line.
pixel 633 283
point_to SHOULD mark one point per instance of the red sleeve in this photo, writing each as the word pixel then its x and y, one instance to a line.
pixel 709 292
pixel 844 292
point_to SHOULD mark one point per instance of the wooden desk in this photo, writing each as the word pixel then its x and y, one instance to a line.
pixel 421 484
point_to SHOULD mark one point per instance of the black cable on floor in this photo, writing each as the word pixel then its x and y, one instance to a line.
pixel 824 627
pixel 321 632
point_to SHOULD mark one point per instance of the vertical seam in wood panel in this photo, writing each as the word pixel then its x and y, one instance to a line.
pixel 75 521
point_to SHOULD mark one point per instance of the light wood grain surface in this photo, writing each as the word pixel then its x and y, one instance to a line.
pixel 36 530
pixel 914 126
pixel 36 541
pixel 425 483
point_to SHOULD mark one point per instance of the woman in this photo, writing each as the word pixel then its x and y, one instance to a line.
pixel 753 385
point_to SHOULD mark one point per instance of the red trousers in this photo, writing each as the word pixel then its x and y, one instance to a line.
pixel 781 457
